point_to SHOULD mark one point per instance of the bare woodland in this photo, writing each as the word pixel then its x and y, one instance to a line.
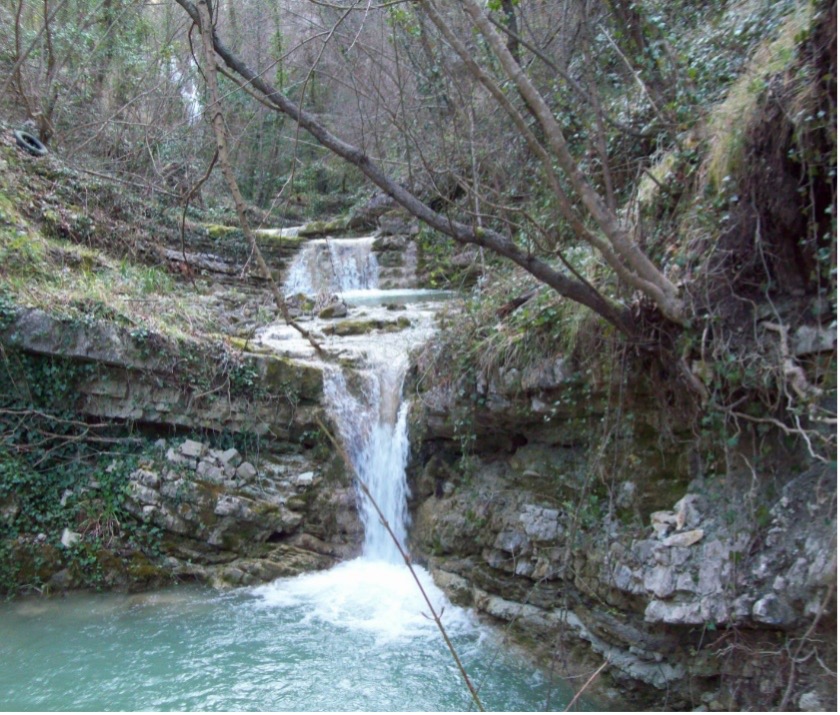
pixel 531 131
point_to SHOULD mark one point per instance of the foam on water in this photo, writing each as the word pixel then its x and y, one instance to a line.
pixel 370 596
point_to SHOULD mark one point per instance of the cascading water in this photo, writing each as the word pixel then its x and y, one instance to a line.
pixel 375 592
pixel 333 265
pixel 355 637
pixel 375 432
pixel 372 422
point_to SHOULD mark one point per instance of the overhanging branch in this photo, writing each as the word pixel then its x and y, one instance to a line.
pixel 462 233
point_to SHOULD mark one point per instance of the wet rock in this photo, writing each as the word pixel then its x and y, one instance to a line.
pixel 335 309
pixel 61 580
pixel 456 587
pixel 322 228
pixel 363 326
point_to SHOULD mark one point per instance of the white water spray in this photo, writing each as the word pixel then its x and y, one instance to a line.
pixel 374 593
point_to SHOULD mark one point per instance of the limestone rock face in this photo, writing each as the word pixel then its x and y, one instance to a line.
pixel 637 564
pixel 366 216
pixel 398 222
pixel 138 377
pixel 240 525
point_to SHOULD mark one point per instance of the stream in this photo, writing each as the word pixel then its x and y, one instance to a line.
pixel 356 637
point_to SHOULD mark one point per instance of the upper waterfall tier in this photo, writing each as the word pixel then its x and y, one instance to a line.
pixel 333 265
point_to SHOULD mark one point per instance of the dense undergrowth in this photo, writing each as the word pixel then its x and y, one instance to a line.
pixel 742 213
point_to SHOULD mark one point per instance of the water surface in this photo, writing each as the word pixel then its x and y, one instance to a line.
pixel 352 638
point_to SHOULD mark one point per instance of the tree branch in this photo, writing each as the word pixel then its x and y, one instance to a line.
pixel 460 232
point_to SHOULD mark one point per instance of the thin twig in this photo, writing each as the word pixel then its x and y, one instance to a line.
pixel 585 686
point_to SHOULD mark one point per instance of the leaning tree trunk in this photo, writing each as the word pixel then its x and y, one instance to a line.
pixel 218 122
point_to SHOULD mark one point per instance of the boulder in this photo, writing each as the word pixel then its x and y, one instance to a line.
pixel 335 309
pixel 192 449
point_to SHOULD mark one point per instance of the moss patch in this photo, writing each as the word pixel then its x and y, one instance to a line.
pixel 323 228
pixel 361 327
pixel 296 381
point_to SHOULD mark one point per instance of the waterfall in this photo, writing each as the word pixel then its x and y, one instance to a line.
pixel 372 421
pixel 374 429
pixel 333 265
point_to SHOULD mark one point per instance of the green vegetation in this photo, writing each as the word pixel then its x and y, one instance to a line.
pixel 58 472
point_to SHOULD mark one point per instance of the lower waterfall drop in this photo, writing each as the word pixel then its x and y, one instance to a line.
pixel 374 430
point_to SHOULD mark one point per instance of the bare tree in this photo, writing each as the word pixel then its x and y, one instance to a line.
pixel 592 217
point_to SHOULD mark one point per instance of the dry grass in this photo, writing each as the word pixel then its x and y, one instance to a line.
pixel 729 121
pixel 76 281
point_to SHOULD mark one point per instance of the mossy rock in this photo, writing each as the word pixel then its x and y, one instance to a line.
pixel 247 345
pixel 337 309
pixel 143 571
pixel 390 259
pixel 361 327
pixel 34 564
pixel 269 236
pixel 323 228
pixel 282 376
pixel 215 230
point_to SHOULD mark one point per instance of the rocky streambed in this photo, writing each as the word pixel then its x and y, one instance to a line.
pixel 696 588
